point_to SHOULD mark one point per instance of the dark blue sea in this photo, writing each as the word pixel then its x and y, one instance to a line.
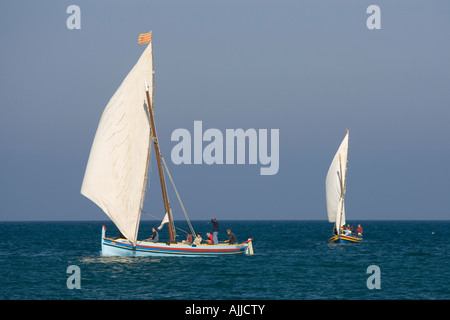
pixel 292 261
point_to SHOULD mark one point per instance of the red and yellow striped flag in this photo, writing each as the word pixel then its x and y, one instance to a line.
pixel 145 38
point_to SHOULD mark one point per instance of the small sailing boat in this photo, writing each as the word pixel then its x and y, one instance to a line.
pixel 117 169
pixel 335 187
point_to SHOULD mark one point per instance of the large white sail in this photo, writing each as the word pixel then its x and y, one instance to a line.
pixel 116 172
pixel 335 185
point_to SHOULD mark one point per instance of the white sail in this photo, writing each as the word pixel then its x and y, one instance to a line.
pixel 335 185
pixel 116 172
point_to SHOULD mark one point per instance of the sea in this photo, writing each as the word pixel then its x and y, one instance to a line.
pixel 397 260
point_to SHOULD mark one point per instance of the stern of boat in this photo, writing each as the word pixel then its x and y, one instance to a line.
pixel 248 247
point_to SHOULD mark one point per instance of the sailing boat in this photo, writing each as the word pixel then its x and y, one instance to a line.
pixel 335 187
pixel 117 169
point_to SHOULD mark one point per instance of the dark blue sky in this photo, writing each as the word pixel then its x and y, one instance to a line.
pixel 311 69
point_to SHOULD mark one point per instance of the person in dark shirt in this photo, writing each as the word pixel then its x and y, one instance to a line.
pixel 232 238
pixel 215 231
pixel 154 237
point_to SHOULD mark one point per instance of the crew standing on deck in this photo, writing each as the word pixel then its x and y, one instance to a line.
pixel 359 230
pixel 215 231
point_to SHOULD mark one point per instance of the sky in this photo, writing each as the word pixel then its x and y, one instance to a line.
pixel 310 69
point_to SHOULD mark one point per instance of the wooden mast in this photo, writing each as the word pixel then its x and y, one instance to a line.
pixel 161 175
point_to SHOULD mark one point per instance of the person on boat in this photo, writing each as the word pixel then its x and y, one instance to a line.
pixel 188 238
pixel 352 231
pixel 359 230
pixel 209 239
pixel 347 231
pixel 232 238
pixel 154 237
pixel 215 231
pixel 198 239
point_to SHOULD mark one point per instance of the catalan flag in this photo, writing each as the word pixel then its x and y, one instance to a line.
pixel 145 38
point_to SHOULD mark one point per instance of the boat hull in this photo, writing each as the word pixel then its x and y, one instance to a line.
pixel 123 247
pixel 344 239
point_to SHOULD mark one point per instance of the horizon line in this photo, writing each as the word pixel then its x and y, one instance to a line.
pixel 318 220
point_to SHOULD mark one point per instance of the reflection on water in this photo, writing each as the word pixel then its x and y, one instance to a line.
pixel 113 260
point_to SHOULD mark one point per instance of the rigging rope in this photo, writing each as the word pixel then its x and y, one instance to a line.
pixel 178 196
pixel 156 218
pixel 175 188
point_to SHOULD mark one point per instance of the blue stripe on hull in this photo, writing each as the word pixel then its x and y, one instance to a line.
pixel 121 247
pixel 117 248
pixel 345 239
